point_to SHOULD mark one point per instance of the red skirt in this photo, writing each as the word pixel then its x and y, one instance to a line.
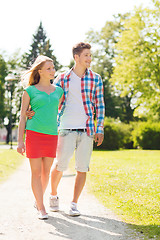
pixel 40 145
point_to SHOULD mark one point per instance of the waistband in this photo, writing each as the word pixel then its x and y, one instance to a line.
pixel 78 130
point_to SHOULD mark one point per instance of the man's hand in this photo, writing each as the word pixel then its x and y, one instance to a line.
pixel 30 114
pixel 99 138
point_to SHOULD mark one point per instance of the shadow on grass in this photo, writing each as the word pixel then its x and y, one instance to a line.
pixel 150 231
pixel 105 150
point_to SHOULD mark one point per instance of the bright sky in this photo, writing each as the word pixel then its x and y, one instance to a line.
pixel 65 22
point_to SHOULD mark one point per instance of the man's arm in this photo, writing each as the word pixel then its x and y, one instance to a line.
pixel 60 100
pixel 58 81
pixel 100 112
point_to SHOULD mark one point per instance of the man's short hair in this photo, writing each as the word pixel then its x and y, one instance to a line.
pixel 79 47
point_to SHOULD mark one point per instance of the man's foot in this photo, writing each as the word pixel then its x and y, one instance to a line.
pixel 73 210
pixel 42 215
pixel 54 204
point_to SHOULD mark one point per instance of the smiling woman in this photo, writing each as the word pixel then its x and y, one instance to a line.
pixel 41 129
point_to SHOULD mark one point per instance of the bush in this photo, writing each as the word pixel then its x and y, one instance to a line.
pixel 116 135
pixel 147 136
pixel 112 137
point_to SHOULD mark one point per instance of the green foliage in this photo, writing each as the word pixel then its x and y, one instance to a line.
pixel 116 135
pixel 119 135
pixel 14 87
pixel 13 105
pixel 40 46
pixel 147 135
pixel 137 68
pixel 103 48
pixel 71 64
pixel 3 74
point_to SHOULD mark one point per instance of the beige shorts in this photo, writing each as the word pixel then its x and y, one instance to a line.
pixel 70 141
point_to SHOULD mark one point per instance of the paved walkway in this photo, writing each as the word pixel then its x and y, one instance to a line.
pixel 18 218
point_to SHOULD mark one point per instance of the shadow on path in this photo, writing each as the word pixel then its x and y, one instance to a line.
pixel 87 227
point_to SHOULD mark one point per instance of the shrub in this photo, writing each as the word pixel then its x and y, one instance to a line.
pixel 147 135
pixel 116 135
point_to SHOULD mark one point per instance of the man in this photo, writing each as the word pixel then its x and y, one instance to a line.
pixel 83 93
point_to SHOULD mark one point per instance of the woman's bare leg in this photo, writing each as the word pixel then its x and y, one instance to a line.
pixel 45 171
pixel 36 183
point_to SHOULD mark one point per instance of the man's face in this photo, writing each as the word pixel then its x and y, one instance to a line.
pixel 84 59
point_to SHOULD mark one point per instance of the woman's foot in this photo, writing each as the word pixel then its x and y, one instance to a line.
pixel 35 206
pixel 42 215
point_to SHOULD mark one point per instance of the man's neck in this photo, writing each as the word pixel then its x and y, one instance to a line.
pixel 79 71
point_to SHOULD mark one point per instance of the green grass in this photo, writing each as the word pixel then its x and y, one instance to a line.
pixel 128 182
pixel 4 143
pixel 9 161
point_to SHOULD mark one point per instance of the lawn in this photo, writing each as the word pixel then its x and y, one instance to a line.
pixel 128 182
pixel 9 161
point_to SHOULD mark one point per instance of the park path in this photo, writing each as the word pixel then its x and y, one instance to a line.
pixel 18 218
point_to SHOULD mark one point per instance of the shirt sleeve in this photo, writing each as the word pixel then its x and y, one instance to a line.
pixel 29 91
pixel 99 104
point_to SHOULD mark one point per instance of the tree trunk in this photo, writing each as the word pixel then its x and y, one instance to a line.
pixel 8 128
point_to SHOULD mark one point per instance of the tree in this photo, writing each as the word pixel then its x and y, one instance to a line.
pixel 103 43
pixel 13 93
pixel 3 74
pixel 137 65
pixel 40 46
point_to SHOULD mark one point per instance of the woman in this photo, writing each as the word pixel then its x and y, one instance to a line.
pixel 41 130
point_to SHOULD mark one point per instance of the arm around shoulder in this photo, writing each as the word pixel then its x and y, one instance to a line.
pixel 57 81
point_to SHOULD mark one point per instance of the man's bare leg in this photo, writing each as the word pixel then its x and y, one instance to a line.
pixel 55 179
pixel 79 184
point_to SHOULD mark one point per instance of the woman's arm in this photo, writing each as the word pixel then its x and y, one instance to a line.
pixel 22 123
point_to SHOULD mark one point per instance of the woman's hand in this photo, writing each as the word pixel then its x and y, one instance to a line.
pixel 21 148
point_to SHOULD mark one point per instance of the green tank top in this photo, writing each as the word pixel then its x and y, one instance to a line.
pixel 46 109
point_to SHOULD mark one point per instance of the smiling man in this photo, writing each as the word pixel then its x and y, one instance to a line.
pixel 83 95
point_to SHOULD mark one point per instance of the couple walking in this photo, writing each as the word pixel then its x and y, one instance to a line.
pixel 77 93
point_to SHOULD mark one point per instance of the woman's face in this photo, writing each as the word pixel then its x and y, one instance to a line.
pixel 47 71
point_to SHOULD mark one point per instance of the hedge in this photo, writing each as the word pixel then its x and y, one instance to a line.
pixel 145 135
pixel 116 135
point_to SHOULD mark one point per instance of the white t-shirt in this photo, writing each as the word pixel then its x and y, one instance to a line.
pixel 74 115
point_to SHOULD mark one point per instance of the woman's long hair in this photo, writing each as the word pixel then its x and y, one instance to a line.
pixel 32 76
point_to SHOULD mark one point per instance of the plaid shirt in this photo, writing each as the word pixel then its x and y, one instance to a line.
pixel 92 96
